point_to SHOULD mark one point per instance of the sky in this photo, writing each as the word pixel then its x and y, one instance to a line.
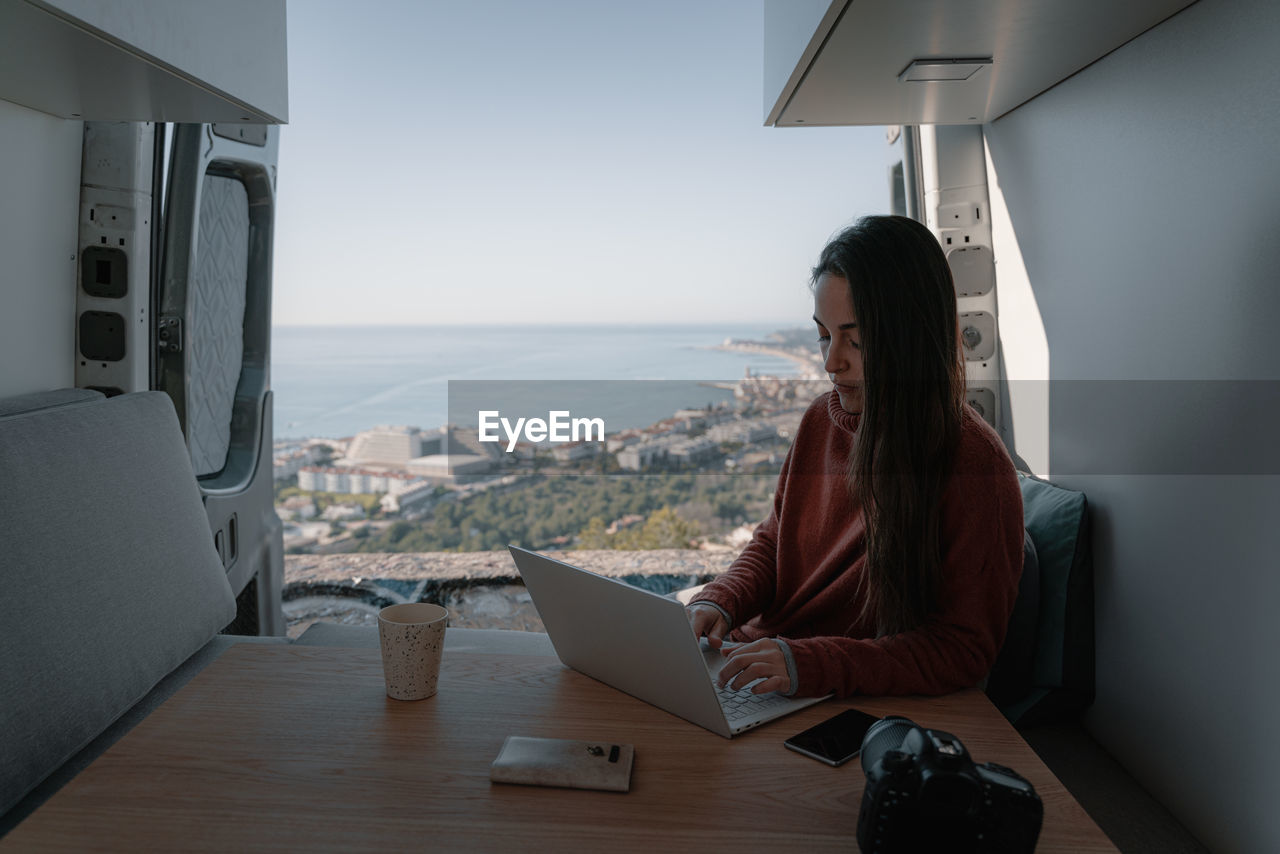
pixel 557 161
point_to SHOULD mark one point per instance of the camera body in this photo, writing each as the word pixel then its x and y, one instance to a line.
pixel 925 793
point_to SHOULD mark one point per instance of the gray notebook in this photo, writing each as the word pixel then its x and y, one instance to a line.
pixel 563 762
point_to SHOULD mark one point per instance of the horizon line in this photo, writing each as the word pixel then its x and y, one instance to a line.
pixel 535 325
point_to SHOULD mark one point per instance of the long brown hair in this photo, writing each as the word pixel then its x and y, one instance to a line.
pixel 913 396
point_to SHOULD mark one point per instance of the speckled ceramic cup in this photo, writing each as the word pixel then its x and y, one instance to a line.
pixel 412 640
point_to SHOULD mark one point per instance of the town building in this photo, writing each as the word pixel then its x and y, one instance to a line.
pixel 384 445
pixel 621 440
pixel 413 498
pixel 298 507
pixel 450 468
pixel 342 513
pixel 574 451
pixel 691 452
pixel 353 481
pixel 744 431
pixel 643 455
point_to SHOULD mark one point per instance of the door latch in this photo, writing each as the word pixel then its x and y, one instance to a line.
pixel 169 334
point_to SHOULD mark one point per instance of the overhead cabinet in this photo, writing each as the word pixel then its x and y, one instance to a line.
pixel 146 60
pixel 893 62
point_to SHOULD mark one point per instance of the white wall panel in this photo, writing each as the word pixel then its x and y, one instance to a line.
pixel 1143 194
pixel 39 202
pixel 1025 351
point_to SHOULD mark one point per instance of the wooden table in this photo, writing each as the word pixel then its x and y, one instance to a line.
pixel 295 748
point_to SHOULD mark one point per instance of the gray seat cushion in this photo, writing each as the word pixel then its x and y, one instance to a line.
pixel 110 577
pixel 166 688
pixel 47 400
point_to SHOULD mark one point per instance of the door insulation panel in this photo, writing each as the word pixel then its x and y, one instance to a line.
pixel 215 311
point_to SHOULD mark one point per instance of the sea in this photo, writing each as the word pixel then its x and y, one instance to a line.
pixel 334 381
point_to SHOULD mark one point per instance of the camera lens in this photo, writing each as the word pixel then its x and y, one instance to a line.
pixel 884 735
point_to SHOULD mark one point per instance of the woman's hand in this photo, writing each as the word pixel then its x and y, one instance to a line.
pixel 761 659
pixel 707 622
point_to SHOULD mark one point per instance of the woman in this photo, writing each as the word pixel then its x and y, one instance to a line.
pixel 890 561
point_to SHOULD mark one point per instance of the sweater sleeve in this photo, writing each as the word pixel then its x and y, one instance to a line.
pixel 747 587
pixel 958 645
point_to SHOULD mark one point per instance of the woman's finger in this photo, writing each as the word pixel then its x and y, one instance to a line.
pixel 754 670
pixel 738 663
pixel 773 683
pixel 734 668
pixel 708 623
pixel 715 635
pixel 749 648
pixel 762 658
pixel 731 669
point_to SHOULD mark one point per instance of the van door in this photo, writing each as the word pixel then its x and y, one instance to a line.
pixel 213 345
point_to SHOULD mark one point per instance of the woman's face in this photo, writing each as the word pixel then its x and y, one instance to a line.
pixel 839 339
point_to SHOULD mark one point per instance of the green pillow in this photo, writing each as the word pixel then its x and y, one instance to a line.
pixel 1062 673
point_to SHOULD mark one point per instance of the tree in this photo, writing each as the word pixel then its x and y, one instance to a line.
pixel 594 536
pixel 665 529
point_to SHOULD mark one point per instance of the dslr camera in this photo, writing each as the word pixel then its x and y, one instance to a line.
pixel 924 793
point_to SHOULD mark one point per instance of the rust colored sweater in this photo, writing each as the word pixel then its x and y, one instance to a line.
pixel 797 578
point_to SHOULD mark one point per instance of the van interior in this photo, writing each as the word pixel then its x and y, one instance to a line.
pixel 1104 180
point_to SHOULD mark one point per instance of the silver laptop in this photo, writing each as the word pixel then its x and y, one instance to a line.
pixel 641 643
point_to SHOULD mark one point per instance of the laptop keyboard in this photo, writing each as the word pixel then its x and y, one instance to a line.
pixel 742 703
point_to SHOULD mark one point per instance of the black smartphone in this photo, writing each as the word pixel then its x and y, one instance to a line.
pixel 836 740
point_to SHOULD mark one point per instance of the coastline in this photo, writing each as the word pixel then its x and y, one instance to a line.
pixel 337 382
pixel 810 367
